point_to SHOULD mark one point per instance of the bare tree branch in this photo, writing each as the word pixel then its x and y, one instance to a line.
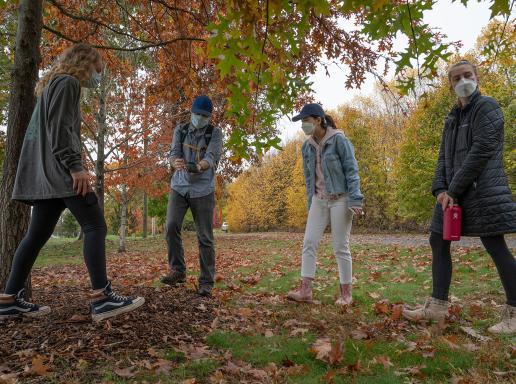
pixel 114 48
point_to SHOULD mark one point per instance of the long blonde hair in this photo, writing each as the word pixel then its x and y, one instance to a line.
pixel 74 61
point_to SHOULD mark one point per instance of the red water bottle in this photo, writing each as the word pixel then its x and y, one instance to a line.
pixel 452 223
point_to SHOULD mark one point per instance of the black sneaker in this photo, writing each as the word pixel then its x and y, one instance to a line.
pixel 16 306
pixel 106 304
pixel 205 290
pixel 174 278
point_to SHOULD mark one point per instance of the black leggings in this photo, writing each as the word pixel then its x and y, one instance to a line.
pixel 45 215
pixel 494 245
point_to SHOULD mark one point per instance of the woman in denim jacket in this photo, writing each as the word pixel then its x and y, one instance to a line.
pixel 333 191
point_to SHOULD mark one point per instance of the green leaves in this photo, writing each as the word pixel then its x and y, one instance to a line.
pixel 265 51
pixel 500 7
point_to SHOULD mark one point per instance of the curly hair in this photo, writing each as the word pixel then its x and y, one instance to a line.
pixel 74 61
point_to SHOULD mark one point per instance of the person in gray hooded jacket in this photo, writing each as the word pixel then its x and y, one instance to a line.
pixel 51 177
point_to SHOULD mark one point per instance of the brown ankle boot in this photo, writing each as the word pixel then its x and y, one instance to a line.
pixel 345 297
pixel 434 309
pixel 304 293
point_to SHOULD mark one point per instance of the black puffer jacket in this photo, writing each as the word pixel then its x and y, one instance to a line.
pixel 470 168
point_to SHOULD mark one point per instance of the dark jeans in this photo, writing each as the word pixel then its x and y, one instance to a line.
pixel 497 249
pixel 45 215
pixel 202 211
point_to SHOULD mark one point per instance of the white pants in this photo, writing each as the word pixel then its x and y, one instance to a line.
pixel 321 213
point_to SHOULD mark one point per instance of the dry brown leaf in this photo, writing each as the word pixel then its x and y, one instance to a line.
pixel 152 352
pixel 245 312
pixel 321 348
pixel 471 332
pixel 76 319
pixel 297 370
pixel 383 360
pixel 38 366
pixel 381 307
pixel 359 334
pixel 396 312
pixel 126 373
pixel 374 295
pixel 9 378
pixel 355 368
pixel 163 366
pixel 298 331
pixel 327 351
pixel 330 375
pixel 258 374
pixel 336 352
pixel 189 381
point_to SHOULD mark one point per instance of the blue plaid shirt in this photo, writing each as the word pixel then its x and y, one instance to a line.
pixel 194 149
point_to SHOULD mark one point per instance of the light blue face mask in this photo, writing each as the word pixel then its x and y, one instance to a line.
pixel 199 121
pixel 94 80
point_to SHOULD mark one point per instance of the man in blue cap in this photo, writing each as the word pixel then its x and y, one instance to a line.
pixel 196 150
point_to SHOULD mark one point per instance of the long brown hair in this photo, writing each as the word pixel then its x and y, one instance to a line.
pixel 74 61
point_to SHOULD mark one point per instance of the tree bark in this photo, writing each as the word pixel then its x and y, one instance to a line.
pixel 145 213
pixel 123 219
pixel 145 197
pixel 101 143
pixel 15 216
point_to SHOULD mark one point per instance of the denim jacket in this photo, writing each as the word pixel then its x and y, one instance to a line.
pixel 339 167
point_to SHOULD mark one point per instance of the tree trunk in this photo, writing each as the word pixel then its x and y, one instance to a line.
pixel 15 216
pixel 123 219
pixel 145 147
pixel 101 144
pixel 145 197
pixel 145 213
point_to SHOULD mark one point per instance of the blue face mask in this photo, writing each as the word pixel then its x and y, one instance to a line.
pixel 94 80
pixel 199 121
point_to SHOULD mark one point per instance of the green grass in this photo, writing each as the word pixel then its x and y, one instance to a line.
pixel 395 274
pixel 259 351
pixel 199 369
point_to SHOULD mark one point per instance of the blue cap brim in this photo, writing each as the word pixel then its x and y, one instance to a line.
pixel 301 116
pixel 201 112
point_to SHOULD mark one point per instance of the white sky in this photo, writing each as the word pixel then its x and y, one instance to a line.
pixel 454 20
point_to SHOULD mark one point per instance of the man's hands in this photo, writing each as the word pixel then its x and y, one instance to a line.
pixel 179 164
pixel 81 182
pixel 445 200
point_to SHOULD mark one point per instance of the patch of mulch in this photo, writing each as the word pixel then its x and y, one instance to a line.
pixel 68 338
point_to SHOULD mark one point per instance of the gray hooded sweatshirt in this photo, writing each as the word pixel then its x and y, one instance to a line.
pixel 52 144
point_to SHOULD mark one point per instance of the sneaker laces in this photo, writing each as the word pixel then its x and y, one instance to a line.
pixel 21 301
pixel 115 296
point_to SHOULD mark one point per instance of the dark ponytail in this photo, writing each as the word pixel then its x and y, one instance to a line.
pixel 326 122
pixel 329 122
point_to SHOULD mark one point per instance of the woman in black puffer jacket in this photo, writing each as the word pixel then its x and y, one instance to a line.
pixel 470 173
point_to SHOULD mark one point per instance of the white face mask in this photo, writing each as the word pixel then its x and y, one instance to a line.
pixel 199 121
pixel 465 87
pixel 307 127
pixel 94 80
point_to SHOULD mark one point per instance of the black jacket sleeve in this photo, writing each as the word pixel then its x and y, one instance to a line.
pixel 439 182
pixel 487 137
pixel 64 131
